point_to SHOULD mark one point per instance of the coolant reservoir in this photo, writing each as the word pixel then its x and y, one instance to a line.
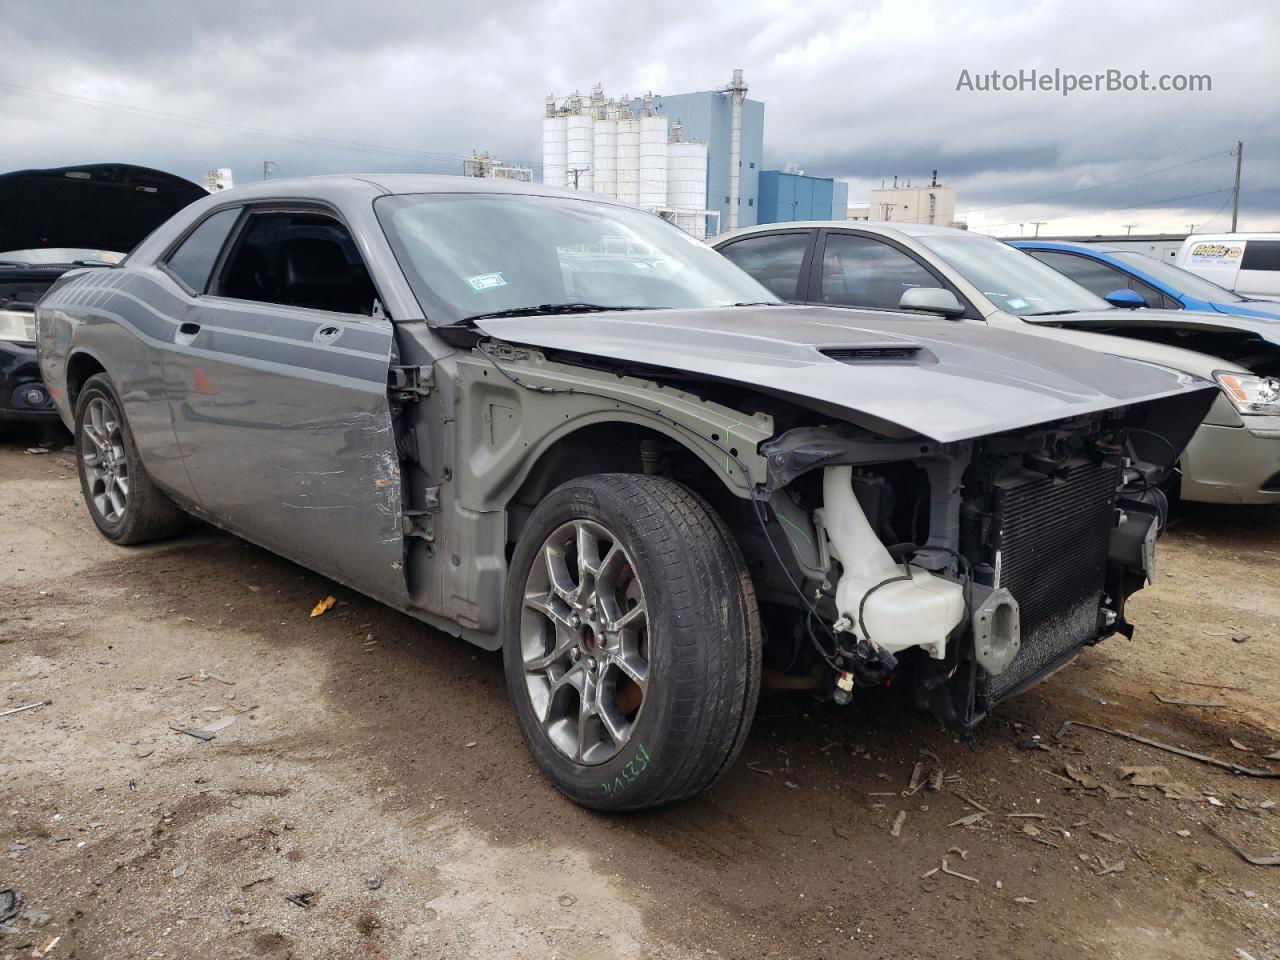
pixel 920 612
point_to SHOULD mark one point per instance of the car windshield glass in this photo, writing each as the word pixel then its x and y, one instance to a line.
pixel 61 255
pixel 1183 281
pixel 468 255
pixel 1012 280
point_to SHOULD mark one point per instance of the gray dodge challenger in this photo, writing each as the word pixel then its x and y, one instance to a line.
pixel 558 426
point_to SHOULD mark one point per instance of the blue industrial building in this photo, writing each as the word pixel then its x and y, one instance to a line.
pixel 784 197
pixel 707 116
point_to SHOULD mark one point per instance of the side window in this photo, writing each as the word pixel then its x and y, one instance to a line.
pixel 1096 276
pixel 297 259
pixel 862 272
pixel 193 261
pixel 774 259
pixel 1261 255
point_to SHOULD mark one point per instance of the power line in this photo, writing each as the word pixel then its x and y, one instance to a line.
pixel 1108 183
pixel 1131 206
pixel 141 113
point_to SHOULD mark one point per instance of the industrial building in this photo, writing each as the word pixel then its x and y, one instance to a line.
pixel 694 158
pixel 902 203
pixel 787 196
pixel 487 165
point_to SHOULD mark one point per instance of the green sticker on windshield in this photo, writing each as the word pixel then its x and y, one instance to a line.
pixel 486 281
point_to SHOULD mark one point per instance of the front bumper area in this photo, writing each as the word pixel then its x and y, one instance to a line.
pixel 23 395
pixel 1233 464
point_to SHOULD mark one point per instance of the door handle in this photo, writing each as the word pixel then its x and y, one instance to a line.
pixel 328 334
pixel 186 332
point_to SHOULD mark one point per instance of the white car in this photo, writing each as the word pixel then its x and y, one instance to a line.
pixel 1248 263
pixel 1235 455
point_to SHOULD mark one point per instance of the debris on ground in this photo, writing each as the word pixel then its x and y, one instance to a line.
pixel 10 905
pixel 301 899
pixel 1189 754
pixel 972 802
pixel 946 868
pixel 44 951
pixel 1024 901
pixel 29 706
pixel 374 882
pixel 1257 859
pixel 254 883
pixel 898 821
pixel 324 605
pixel 1086 780
pixel 968 821
pixel 1239 637
pixel 755 767
pixel 192 732
pixel 1179 702
pixel 1106 869
pixel 1237 744
pixel 179 871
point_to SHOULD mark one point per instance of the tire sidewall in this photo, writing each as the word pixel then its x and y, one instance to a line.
pixel 621 781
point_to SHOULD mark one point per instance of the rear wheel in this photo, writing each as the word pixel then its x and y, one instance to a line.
pixel 632 641
pixel 125 505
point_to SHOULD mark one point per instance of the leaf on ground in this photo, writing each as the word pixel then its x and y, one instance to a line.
pixel 323 605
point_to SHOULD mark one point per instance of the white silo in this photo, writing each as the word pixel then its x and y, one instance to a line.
pixel 555 146
pixel 687 185
pixel 653 159
pixel 581 146
pixel 604 173
pixel 628 162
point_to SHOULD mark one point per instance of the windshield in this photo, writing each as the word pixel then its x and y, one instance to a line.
pixel 61 255
pixel 1012 280
pixel 1183 281
pixel 467 255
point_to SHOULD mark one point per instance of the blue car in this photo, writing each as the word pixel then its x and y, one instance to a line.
pixel 1127 278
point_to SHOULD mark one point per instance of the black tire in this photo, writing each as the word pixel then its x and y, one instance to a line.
pixel 147 513
pixel 703 641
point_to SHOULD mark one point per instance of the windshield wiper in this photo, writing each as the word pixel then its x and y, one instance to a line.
pixel 761 303
pixel 1050 313
pixel 551 309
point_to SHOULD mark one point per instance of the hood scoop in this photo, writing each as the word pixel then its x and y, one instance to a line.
pixel 880 353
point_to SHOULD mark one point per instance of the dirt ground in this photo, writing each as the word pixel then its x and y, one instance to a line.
pixel 361 750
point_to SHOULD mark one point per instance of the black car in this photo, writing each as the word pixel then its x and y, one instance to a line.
pixel 58 220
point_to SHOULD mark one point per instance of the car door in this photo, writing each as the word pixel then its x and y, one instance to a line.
pixel 778 259
pixel 278 393
pixel 1100 277
pixel 860 270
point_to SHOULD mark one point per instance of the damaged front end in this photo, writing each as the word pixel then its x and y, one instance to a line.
pixel 968 571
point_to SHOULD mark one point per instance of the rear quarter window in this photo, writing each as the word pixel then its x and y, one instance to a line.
pixel 192 262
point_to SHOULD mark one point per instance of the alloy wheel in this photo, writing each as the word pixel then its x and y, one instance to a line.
pixel 106 466
pixel 584 642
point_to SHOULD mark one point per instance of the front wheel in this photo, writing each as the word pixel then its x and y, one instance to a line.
pixel 632 641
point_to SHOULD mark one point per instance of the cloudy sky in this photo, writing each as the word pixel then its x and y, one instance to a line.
pixel 857 90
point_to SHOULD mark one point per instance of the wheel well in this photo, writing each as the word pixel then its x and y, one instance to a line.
pixel 80 368
pixel 615 448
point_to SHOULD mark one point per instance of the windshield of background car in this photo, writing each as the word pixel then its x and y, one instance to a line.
pixel 467 254
pixel 1012 280
pixel 61 255
pixel 1175 278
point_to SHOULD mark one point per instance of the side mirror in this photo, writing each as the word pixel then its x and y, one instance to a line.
pixel 931 300
pixel 1126 298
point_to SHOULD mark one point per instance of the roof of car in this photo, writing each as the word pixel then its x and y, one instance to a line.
pixel 1074 247
pixel 393 183
pixel 866 226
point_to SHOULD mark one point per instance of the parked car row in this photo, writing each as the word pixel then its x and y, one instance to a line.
pixel 1068 295
pixel 556 425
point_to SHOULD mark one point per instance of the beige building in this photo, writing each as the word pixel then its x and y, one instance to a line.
pixel 931 203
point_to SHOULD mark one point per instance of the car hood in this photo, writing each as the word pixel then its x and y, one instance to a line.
pixel 1267 309
pixel 1268 328
pixel 101 206
pixel 944 380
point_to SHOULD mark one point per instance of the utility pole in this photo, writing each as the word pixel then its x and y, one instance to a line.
pixel 1038 224
pixel 266 168
pixel 1128 228
pixel 1191 228
pixel 576 172
pixel 1235 193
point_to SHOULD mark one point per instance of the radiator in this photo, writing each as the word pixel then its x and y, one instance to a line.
pixel 1051 538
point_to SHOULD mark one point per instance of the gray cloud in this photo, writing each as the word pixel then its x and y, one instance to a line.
pixel 861 94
